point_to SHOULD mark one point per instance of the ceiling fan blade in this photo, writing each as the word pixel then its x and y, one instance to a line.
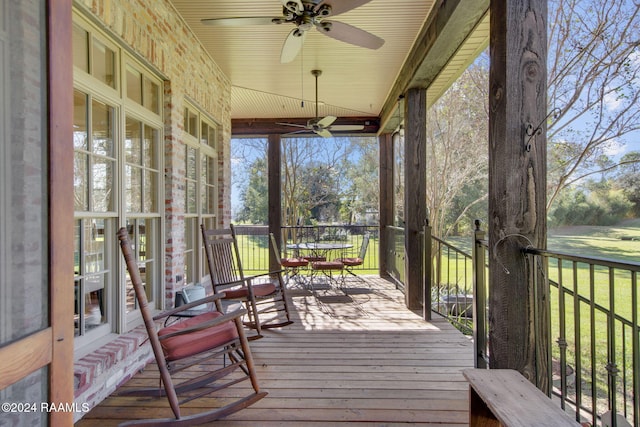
pixel 325 122
pixel 238 22
pixel 292 124
pixel 323 133
pixel 292 45
pixel 341 6
pixel 350 34
pixel 345 128
pixel 296 132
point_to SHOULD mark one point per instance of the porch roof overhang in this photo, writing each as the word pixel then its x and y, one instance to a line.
pixel 428 44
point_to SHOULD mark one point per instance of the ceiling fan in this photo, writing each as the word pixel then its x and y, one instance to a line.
pixel 322 126
pixel 306 14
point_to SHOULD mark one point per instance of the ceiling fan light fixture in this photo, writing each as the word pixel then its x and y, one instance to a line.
pixel 324 11
pixel 325 26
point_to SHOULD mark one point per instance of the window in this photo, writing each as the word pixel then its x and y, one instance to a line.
pixel 201 190
pixel 117 181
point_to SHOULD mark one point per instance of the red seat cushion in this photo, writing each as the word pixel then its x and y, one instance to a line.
pixel 195 342
pixel 314 258
pixel 259 290
pixel 351 261
pixel 327 265
pixel 294 262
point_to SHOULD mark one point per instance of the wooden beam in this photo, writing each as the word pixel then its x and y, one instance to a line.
pixel 448 26
pixel 415 199
pixel 263 127
pixel 386 199
pixel 517 185
pixel 60 209
pixel 275 194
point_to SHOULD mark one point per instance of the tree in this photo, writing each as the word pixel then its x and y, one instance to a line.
pixel 254 197
pixel 628 178
pixel 593 84
pixel 361 184
pixel 457 159
pixel 313 171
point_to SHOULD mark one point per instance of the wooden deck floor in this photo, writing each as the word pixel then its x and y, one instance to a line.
pixel 357 357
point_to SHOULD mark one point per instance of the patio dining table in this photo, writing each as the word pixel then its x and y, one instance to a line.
pixel 319 249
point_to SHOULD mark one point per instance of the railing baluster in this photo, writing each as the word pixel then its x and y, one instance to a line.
pixel 612 367
pixel 562 341
pixel 594 370
pixel 577 340
pixel 479 299
pixel 635 340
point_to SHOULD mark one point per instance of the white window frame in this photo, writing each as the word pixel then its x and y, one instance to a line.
pixel 118 320
pixel 193 242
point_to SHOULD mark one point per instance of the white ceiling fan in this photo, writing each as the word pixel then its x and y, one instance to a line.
pixel 322 126
pixel 306 14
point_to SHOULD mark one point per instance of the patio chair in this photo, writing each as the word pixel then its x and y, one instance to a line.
pixel 290 266
pixel 191 342
pixel 264 295
pixel 327 268
pixel 350 262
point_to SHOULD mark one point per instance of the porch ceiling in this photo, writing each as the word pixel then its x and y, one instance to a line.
pixel 358 85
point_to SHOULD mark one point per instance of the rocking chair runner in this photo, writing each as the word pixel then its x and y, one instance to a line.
pixel 266 301
pixel 191 342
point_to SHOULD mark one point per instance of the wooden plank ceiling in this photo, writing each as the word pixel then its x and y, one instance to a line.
pixel 356 82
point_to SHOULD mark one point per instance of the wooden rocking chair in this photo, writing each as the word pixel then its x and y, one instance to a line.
pixel 264 295
pixel 192 342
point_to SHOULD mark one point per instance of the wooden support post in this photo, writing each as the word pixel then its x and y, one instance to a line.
pixel 415 198
pixel 275 194
pixel 517 181
pixel 386 200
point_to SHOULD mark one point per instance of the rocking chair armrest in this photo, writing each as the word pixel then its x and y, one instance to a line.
pixel 205 300
pixel 208 324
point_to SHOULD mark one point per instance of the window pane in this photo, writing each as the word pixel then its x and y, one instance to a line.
pixel 81 181
pixel 103 63
pixel 190 237
pixel 204 138
pixel 102 185
pixel 149 191
pixel 151 95
pixel 191 163
pixel 150 142
pixel 133 189
pixel 134 85
pixel 91 274
pixel 141 234
pixel 191 198
pixel 81 48
pixel 80 135
pixel 192 123
pixel 132 145
pixel 208 135
pixel 102 132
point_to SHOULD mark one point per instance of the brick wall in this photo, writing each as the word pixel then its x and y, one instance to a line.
pixel 159 36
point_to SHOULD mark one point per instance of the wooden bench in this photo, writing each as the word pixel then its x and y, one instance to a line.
pixel 503 397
